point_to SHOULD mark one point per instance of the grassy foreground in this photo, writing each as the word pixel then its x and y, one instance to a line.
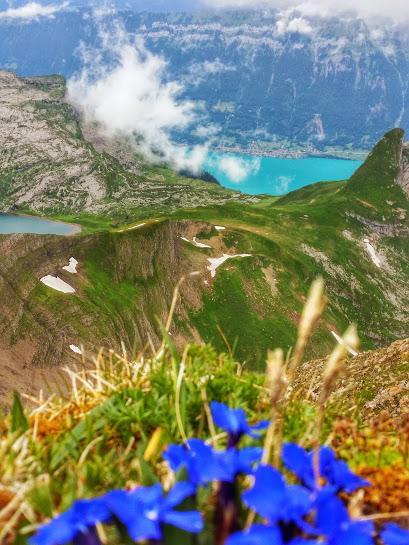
pixel 114 417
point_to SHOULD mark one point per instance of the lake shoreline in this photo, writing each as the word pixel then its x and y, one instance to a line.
pixel 76 228
pixel 276 176
pixel 359 155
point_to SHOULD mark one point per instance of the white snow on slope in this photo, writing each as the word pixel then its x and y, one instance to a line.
pixel 219 228
pixel 340 341
pixel 131 228
pixel 72 266
pixel 76 349
pixel 372 253
pixel 195 242
pixel 56 283
pixel 216 262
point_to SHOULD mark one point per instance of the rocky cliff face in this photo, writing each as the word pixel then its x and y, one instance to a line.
pixel 46 165
pixel 403 178
pixel 43 163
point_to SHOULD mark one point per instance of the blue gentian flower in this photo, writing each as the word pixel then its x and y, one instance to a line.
pixel 272 498
pixel 266 535
pixel 257 535
pixel 204 464
pixel 81 518
pixel 336 472
pixel 333 521
pixel 200 460
pixel 393 534
pixel 144 510
pixel 238 461
pixel 234 421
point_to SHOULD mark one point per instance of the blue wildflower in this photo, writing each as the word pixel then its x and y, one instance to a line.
pixel 266 535
pixel 200 460
pixel 234 421
pixel 144 510
pixel 393 534
pixel 336 472
pixel 81 518
pixel 238 461
pixel 204 464
pixel 272 498
pixel 257 535
pixel 333 521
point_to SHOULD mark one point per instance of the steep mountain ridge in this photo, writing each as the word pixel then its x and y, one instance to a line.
pixel 403 179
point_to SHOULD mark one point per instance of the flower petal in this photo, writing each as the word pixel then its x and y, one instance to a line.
pixel 130 511
pixel 190 521
pixel 299 461
pixel 355 533
pixel 268 493
pixel 257 535
pixel 246 458
pixel 177 494
pixel 176 456
pixel 331 512
pixel 393 534
pixel 148 495
pixel 231 420
pixel 57 532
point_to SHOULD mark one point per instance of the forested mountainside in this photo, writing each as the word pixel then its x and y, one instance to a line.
pixel 321 82
pixel 253 258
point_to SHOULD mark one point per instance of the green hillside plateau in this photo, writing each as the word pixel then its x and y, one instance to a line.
pixel 132 251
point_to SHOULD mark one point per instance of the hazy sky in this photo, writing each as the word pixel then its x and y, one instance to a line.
pixel 398 9
pixel 364 8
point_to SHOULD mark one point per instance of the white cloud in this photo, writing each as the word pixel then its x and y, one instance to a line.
pixel 295 25
pixel 32 10
pixel 198 72
pixel 130 96
pixel 397 9
pixel 207 131
pixel 236 168
pixel 216 67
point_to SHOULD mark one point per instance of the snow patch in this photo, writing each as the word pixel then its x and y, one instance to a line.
pixel 372 253
pixel 216 262
pixel 341 341
pixel 219 228
pixel 72 266
pixel 195 242
pixel 131 228
pixel 76 349
pixel 56 283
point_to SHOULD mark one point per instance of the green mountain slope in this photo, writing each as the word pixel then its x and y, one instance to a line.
pixel 354 233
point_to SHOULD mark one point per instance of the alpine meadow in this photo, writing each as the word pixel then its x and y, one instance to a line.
pixel 199 346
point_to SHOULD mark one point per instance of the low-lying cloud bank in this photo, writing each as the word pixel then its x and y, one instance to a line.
pixel 395 9
pixel 124 88
pixel 32 10
pixel 236 169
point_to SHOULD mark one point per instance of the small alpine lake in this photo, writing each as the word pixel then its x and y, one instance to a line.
pixel 275 176
pixel 13 224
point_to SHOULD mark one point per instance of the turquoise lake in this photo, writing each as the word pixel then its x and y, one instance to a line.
pixel 273 176
pixel 10 223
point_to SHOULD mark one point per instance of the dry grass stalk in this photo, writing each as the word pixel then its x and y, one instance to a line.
pixel 311 313
pixel 276 385
pixel 335 366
